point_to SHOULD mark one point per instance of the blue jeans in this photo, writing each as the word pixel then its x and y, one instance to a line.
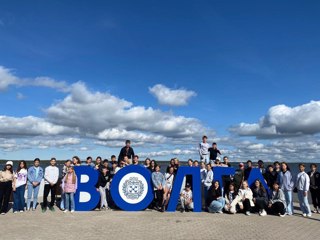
pixel 62 200
pixel 69 201
pixel 303 201
pixel 217 205
pixel 35 191
pixel 205 158
pixel 288 197
pixel 18 198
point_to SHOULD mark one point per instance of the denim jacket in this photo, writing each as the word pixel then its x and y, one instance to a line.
pixel 32 175
pixel 158 179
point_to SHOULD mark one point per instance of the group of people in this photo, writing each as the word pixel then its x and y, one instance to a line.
pixel 235 195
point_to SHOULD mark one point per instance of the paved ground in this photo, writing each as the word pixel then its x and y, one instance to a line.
pixel 154 225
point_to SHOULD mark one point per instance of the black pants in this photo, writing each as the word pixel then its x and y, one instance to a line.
pixel 47 189
pixel 159 198
pixel 246 205
pixel 260 205
pixel 5 193
pixel 315 195
pixel 278 208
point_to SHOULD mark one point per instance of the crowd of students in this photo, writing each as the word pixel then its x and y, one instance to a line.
pixel 235 196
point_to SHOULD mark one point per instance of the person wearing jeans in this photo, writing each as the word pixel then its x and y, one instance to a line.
pixel 204 150
pixel 302 185
pixel 20 187
pixel 286 184
pixel 69 186
pixel 35 175
pixel 215 201
pixel 103 186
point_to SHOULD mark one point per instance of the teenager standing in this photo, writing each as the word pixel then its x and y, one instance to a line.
pixel 6 184
pixel 204 150
pixel 20 176
pixel 35 176
pixel 315 187
pixel 302 184
pixel 286 184
pixel 51 177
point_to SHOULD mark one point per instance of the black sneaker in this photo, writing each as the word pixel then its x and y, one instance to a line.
pixel 52 209
pixel 44 210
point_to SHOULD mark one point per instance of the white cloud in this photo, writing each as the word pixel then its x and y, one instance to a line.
pixel 8 78
pixel 29 126
pixel 94 112
pixel 284 121
pixel 171 97
pixel 54 142
pixel 122 134
pixel 175 152
pixel 20 96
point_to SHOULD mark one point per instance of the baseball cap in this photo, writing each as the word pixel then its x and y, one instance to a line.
pixel 9 163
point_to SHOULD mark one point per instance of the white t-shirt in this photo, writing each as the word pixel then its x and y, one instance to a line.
pixel 21 177
pixel 186 195
pixel 169 180
pixel 204 148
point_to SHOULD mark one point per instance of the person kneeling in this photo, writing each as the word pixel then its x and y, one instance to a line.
pixel 215 201
pixel 277 202
pixel 186 199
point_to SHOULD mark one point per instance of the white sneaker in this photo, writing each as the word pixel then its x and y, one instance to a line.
pixel 21 211
pixel 3 213
pixel 72 211
pixel 15 212
pixel 304 215
pixel 280 215
pixel 309 215
pixel 263 213
pixel 65 211
pixel 220 212
pixel 248 213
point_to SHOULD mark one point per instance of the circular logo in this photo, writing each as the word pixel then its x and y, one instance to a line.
pixel 133 188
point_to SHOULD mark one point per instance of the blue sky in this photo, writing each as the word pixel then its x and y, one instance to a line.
pixel 240 59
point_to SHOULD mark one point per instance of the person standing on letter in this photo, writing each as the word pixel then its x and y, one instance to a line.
pixel 204 150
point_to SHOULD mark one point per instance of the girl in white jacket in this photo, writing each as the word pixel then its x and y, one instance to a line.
pixel 244 198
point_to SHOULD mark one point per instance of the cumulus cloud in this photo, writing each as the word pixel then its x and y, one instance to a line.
pixel 284 121
pixel 175 152
pixel 94 112
pixel 171 97
pixel 8 78
pixel 29 126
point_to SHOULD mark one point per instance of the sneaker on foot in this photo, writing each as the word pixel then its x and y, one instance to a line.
pixel 3 213
pixel 282 215
pixel 304 215
pixel 220 212
pixel 65 211
pixel 52 209
pixel 44 210
pixel 72 211
pixel 263 213
pixel 248 213
pixel 309 215
pixel 15 211
pixel 21 211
